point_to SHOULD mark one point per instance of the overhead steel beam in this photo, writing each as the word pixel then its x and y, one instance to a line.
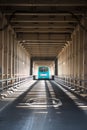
pixel 50 24
pixel 37 58
pixel 43 36
pixel 22 3
pixel 44 43
pixel 43 14
pixel 43 21
pixel 51 30
pixel 38 41
pixel 42 27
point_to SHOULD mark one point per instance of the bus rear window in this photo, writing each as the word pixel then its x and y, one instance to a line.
pixel 43 69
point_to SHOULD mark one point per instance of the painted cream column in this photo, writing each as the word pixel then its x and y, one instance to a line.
pixel 62 63
pixel 81 54
pixel 77 56
pixel 9 60
pixel 85 52
pixel 78 53
pixel 15 57
pixel 12 43
pixel 1 51
pixel 5 55
pixel 10 53
pixel 70 61
pixel 69 58
pixel 74 56
pixel 65 62
pixel 17 60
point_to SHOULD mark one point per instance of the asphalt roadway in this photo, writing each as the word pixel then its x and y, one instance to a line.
pixel 45 106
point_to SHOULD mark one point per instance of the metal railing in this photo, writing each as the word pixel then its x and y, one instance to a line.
pixel 78 85
pixel 5 84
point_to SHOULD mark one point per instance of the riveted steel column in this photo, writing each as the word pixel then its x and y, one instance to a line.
pixel 71 62
pixel 15 57
pixel 67 67
pixel 74 56
pixel 31 66
pixel 78 53
pixel 56 66
pixel 9 54
pixel 81 54
pixel 65 62
pixel 1 52
pixel 12 51
pixel 72 59
pixel 5 55
pixel 85 53
pixel 62 63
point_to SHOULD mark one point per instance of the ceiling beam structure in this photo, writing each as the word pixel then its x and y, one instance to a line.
pixel 43 27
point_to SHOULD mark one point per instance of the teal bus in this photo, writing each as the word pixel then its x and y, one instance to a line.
pixel 43 72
